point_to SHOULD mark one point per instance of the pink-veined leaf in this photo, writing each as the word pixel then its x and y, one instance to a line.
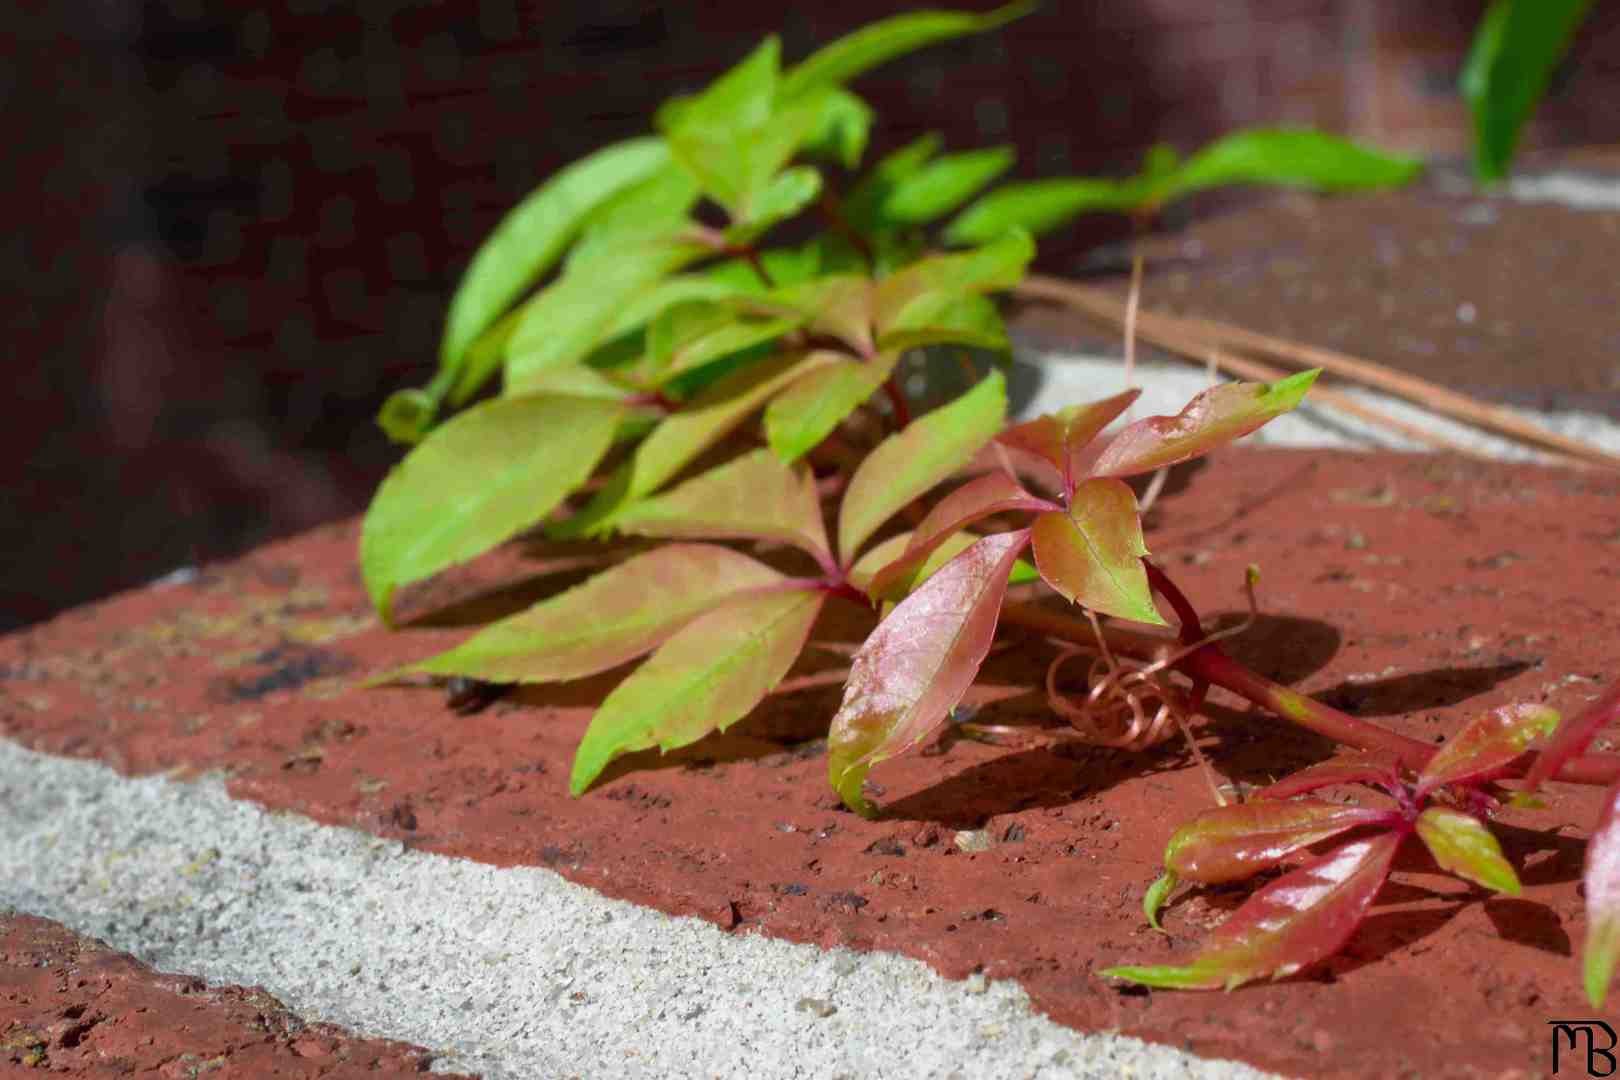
pixel 879 555
pixel 1486 746
pixel 1361 767
pixel 1574 737
pixel 908 463
pixel 615 616
pixel 1462 845
pixel 807 412
pixel 1602 880
pixel 754 497
pixel 1302 918
pixel 705 678
pixel 1092 554
pixel 1229 843
pixel 1213 418
pixel 1055 437
pixel 915 667
pixel 994 493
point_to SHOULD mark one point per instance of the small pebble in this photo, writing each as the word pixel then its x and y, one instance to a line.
pixel 976 983
pixel 973 840
pixel 821 1008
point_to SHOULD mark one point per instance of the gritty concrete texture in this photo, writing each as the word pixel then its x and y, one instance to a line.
pixel 502 972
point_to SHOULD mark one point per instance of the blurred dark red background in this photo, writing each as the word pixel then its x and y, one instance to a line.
pixel 232 229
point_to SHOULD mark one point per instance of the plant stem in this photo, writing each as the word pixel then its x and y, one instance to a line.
pixel 897 401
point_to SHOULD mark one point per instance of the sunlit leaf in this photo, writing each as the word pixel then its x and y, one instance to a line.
pixel 1487 745
pixel 754 497
pixel 707 132
pixel 534 234
pixel 1361 767
pixel 838 305
pixel 689 336
pixel 1573 737
pixel 614 617
pixel 1302 918
pixel 907 464
pixel 944 184
pixel 705 678
pixel 884 552
pixel 1602 882
pixel 919 295
pixel 784 196
pixel 1516 49
pixel 1212 419
pixel 1155 896
pixel 1462 844
pixel 1229 843
pixel 969 319
pixel 1040 206
pixel 1092 555
pixel 577 380
pixel 915 667
pixel 655 206
pixel 1056 437
pixel 879 42
pixel 994 493
pixel 1294 158
pixel 807 412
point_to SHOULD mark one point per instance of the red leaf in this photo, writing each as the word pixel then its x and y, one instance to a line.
pixel 994 493
pixel 1056 437
pixel 1230 843
pixel 1573 737
pixel 918 663
pixel 1300 919
pixel 1358 768
pixel 1486 746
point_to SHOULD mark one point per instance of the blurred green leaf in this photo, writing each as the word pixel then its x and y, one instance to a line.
pixel 1291 158
pixel 943 185
pixel 921 294
pixel 1516 48
pixel 807 412
pixel 843 125
pixel 971 320
pixel 1039 206
pixel 783 197
pixel 864 203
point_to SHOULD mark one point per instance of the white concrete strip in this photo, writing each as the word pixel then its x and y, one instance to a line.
pixel 508 973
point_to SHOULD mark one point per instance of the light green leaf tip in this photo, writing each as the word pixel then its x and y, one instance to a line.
pixel 1154 898
pixel 1162 976
pixel 1598 957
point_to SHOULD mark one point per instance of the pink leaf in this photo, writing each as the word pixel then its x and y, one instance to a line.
pixel 1092 555
pixel 1302 918
pixel 1486 746
pixel 918 663
pixel 1230 843
pixel 1368 767
pixel 1213 418
pixel 1573 737
pixel 1602 880
pixel 994 493
pixel 1057 437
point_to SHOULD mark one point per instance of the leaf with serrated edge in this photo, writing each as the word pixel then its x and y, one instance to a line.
pixel 705 678
pixel 995 493
pixel 486 475
pixel 1213 418
pixel 1602 881
pixel 805 413
pixel 1229 843
pixel 1092 555
pixel 908 463
pixel 1303 917
pixel 1462 845
pixel 754 497
pixel 1365 767
pixel 614 617
pixel 1058 436
pixel 916 665
pixel 1487 745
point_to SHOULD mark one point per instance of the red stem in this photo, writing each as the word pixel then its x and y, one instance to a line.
pixel 897 401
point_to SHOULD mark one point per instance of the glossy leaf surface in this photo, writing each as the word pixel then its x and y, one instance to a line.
pixel 1601 949
pixel 1573 737
pixel 1056 437
pixel 1212 419
pixel 706 677
pixel 1303 917
pixel 915 667
pixel 614 617
pixel 907 464
pixel 1486 745
pixel 477 481
pixel 1092 554
pixel 1353 768
pixel 1462 845
pixel 1229 843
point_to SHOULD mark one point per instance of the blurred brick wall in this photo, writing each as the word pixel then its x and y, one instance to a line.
pixel 232 228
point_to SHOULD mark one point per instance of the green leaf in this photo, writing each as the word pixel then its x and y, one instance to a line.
pixel 907 464
pixel 879 42
pixel 1292 158
pixel 865 201
pixel 1153 899
pixel 1516 48
pixel 1229 843
pixel 616 616
pixel 1602 881
pixel 807 412
pixel 1303 917
pixel 1092 555
pixel 657 206
pixel 970 320
pixel 783 197
pixel 913 669
pixel 575 314
pixel 1040 206
pixel 754 497
pixel 483 477
pixel 943 185
pixel 843 125
pixel 689 336
pixel 919 295
pixel 1212 419
pixel 407 415
pixel 884 552
pixel 838 305
pixel 713 134
pixel 532 236
pixel 1487 745
pixel 705 678
pixel 1461 844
